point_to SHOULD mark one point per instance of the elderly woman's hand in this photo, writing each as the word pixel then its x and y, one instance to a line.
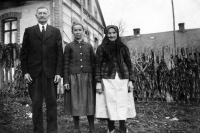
pixel 99 88
pixel 130 86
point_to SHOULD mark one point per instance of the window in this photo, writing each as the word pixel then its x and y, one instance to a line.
pixel 10 30
pixel 96 43
pixel 87 33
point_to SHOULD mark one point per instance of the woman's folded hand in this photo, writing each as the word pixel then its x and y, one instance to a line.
pixel 130 86
pixel 66 86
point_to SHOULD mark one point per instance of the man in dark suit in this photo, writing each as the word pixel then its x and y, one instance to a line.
pixel 42 67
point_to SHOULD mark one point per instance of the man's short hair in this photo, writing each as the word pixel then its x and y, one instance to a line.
pixel 42 7
pixel 77 23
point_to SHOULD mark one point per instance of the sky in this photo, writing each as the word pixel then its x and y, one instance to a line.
pixel 151 16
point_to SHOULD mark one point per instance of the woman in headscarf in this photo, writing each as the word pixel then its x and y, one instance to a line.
pixel 79 61
pixel 114 80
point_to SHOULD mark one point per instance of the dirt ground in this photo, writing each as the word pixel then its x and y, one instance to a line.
pixel 155 117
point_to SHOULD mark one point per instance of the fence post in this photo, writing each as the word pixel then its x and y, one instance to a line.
pixel 160 53
pixel 6 77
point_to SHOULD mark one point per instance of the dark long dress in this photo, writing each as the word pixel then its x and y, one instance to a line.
pixel 79 101
pixel 79 59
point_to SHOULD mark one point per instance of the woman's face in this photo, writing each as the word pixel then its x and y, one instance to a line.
pixel 112 34
pixel 78 31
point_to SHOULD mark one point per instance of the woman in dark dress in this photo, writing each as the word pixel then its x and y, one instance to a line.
pixel 113 70
pixel 79 61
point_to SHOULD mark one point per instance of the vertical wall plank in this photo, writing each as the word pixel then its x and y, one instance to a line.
pixel 10 74
pixel 160 53
pixel 6 77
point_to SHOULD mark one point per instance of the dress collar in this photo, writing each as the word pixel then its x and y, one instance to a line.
pixel 77 42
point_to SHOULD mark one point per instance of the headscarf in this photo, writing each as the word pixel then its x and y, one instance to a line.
pixel 113 49
pixel 106 39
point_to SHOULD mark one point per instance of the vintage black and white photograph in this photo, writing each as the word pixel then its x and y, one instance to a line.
pixel 99 66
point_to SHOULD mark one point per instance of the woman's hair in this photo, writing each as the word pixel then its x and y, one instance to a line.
pixel 114 49
pixel 76 23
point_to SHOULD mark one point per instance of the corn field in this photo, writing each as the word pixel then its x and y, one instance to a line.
pixel 161 76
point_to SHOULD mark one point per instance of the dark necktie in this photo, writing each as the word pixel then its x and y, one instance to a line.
pixel 43 31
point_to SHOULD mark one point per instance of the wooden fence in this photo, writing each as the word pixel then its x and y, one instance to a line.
pixel 159 74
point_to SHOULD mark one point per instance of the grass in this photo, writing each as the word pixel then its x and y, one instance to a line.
pixel 153 117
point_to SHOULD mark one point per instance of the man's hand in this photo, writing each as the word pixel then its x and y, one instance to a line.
pixel 66 87
pixel 57 78
pixel 130 86
pixel 28 78
pixel 99 88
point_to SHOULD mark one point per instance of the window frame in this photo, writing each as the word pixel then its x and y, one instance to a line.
pixel 13 19
pixel 96 43
pixel 87 33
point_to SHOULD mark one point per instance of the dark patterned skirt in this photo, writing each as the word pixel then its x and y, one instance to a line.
pixel 80 99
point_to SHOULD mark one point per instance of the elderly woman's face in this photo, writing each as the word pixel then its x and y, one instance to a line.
pixel 112 34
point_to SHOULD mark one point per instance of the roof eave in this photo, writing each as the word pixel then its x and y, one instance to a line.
pixel 100 12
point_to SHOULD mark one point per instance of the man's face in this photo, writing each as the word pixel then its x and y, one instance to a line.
pixel 42 15
pixel 78 31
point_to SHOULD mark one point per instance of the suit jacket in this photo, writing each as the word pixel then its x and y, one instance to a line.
pixel 39 52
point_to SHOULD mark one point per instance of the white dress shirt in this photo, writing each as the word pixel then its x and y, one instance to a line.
pixel 40 26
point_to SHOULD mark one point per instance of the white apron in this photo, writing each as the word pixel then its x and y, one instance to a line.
pixel 115 102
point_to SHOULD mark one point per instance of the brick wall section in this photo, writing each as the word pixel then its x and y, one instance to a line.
pixel 51 13
pixel 17 15
pixel 58 14
pixel 61 15
pixel 18 31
